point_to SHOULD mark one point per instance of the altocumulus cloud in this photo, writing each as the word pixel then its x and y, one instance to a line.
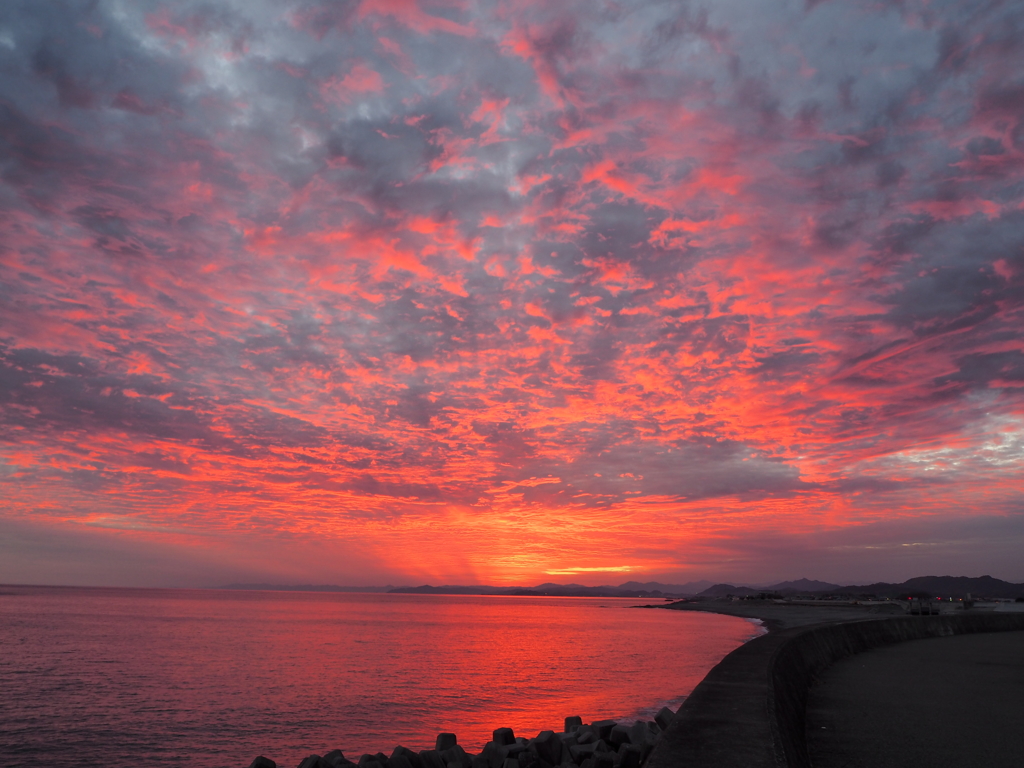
pixel 688 288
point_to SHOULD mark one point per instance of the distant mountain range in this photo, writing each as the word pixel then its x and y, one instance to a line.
pixel 920 586
pixel 930 586
pixel 651 589
pixel 943 586
pixel 803 585
pixel 799 586
pixel 629 589
pixel 305 588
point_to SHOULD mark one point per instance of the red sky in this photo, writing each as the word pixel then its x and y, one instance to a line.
pixel 438 291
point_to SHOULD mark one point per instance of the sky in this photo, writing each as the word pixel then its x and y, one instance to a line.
pixel 460 291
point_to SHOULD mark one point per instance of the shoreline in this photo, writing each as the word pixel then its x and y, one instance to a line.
pixel 777 616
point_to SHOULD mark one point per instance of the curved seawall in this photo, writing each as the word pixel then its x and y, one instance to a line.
pixel 750 709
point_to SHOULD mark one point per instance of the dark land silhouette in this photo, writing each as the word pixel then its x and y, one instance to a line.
pixel 958 587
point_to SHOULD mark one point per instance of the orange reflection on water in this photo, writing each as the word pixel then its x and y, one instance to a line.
pixel 224 676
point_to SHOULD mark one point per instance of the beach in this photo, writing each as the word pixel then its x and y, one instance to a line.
pixel 777 615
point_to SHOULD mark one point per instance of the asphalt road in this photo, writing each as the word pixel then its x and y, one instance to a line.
pixel 955 702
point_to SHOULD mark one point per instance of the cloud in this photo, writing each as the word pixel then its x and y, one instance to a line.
pixel 364 273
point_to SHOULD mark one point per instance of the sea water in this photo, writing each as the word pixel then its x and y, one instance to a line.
pixel 119 677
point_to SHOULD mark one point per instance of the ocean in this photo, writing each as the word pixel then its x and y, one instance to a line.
pixel 212 678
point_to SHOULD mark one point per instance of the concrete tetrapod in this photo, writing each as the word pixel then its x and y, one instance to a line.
pixel 601 744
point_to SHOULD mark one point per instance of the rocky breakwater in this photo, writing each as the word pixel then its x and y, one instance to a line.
pixel 601 744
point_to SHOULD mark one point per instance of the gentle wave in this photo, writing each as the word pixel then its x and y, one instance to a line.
pixel 211 678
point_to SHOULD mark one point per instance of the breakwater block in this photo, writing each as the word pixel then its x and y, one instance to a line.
pixel 456 757
pixel 601 744
pixel 603 728
pixel 664 717
pixel 619 735
pixel 403 758
pixel 503 736
pixel 431 758
pixel 445 741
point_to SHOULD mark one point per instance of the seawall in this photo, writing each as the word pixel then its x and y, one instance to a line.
pixel 749 711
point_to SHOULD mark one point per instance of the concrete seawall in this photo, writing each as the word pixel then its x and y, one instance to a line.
pixel 750 709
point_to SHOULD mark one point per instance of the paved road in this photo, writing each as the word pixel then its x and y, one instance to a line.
pixel 955 702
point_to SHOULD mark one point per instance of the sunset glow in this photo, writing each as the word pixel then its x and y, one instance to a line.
pixel 438 291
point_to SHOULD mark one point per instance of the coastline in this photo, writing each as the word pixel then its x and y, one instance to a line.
pixel 784 615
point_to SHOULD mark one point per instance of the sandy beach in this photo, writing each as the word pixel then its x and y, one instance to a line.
pixel 785 615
